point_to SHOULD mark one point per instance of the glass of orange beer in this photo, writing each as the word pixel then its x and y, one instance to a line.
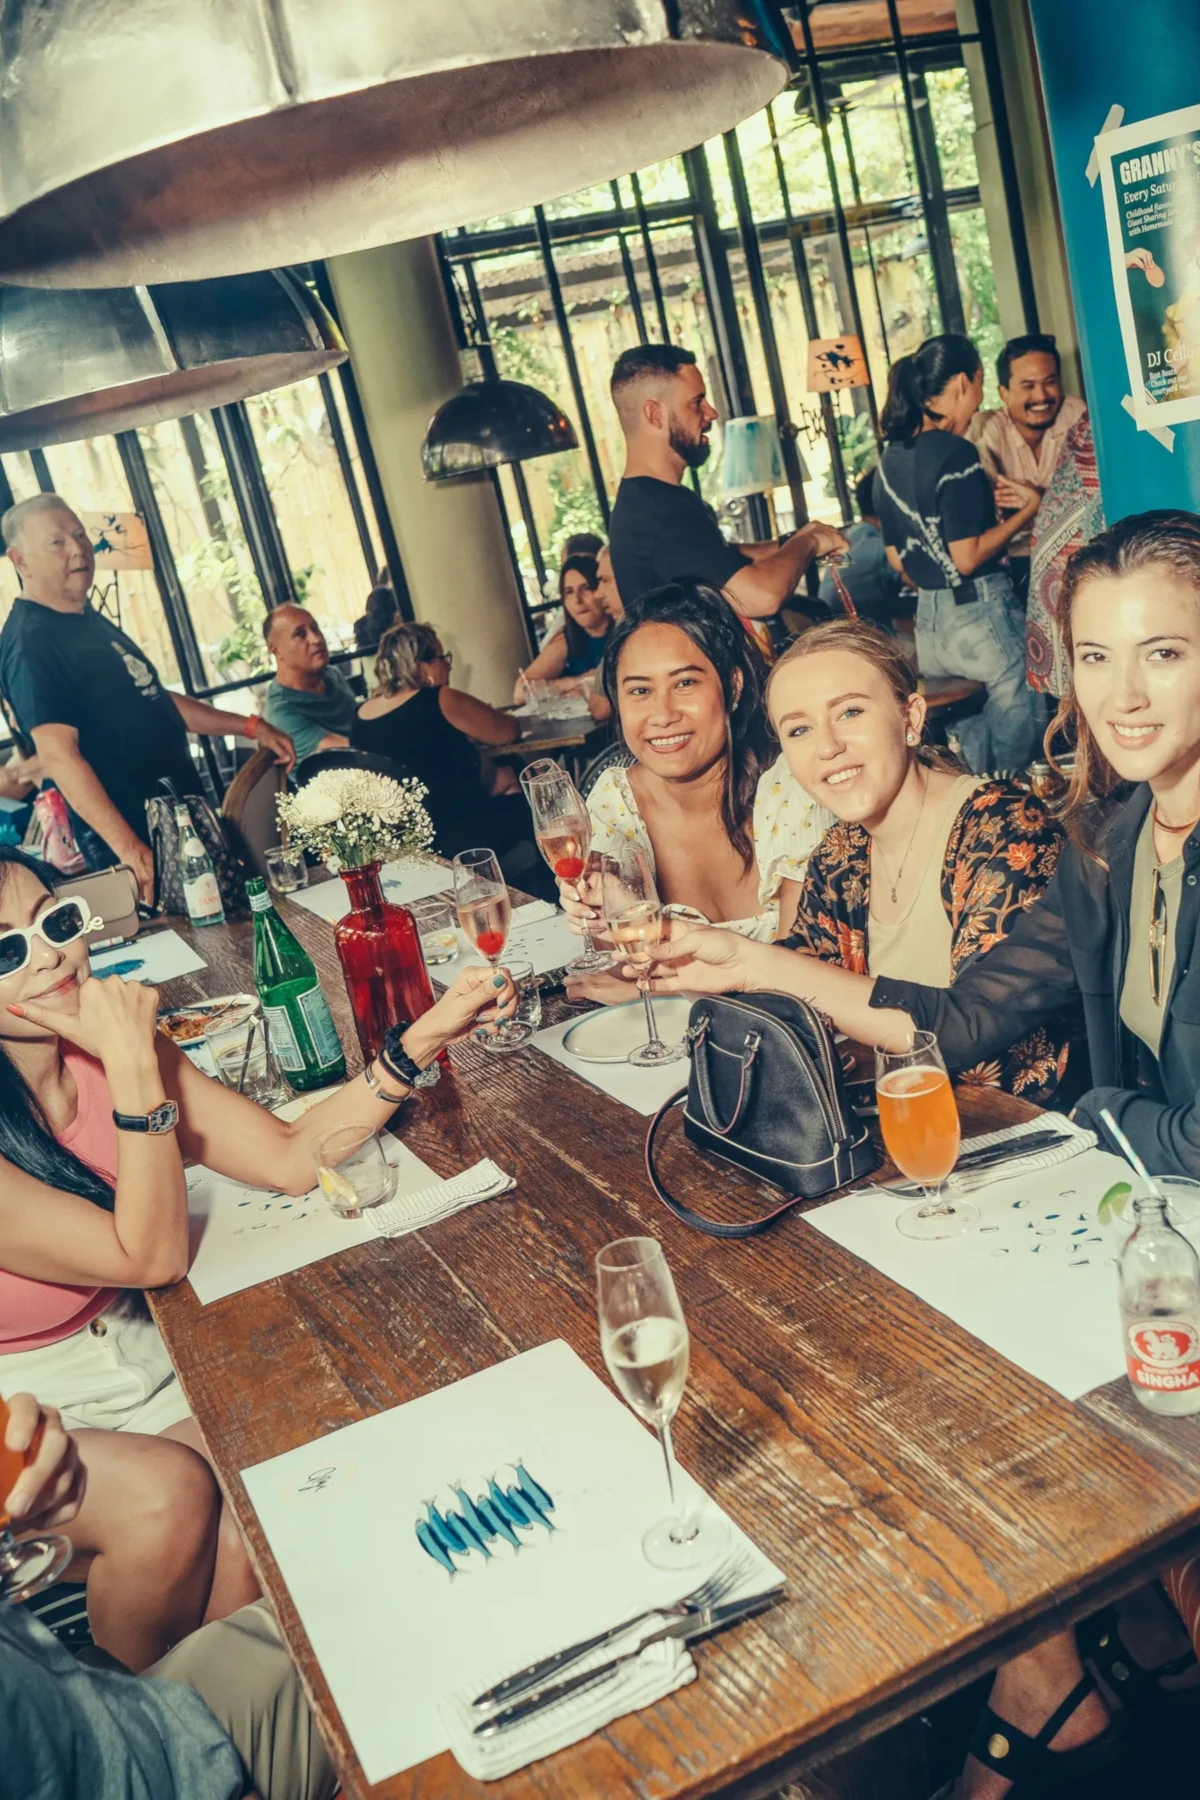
pixel 35 1562
pixel 919 1120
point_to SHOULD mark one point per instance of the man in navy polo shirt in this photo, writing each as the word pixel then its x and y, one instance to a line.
pixel 104 728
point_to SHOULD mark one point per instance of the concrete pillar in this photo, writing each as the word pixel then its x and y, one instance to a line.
pixel 393 310
pixel 1095 55
pixel 1022 103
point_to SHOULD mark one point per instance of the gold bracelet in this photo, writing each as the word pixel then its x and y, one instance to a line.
pixel 373 1083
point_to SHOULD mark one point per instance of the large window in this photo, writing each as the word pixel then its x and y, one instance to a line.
pixel 851 205
pixel 267 498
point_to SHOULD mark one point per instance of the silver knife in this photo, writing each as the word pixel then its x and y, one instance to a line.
pixel 689 1629
pixel 981 1162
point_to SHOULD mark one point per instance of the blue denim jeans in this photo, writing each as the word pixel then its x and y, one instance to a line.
pixel 984 641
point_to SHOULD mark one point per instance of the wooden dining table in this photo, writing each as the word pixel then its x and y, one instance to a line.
pixel 934 1507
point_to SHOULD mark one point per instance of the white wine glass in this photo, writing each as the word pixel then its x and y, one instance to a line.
pixel 481 899
pixel 634 916
pixel 644 1339
pixel 563 827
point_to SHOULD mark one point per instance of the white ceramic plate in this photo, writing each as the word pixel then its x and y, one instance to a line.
pixel 607 1036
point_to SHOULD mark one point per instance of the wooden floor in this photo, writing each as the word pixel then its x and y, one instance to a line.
pixel 934 1507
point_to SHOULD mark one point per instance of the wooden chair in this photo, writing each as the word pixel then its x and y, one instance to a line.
pixel 248 809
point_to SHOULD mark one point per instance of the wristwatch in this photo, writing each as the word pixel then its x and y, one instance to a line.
pixel 159 1119
pixel 397 1061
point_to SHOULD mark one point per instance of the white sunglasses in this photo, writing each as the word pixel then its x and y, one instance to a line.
pixel 63 923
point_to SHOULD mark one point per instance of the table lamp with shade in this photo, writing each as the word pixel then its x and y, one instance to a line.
pixel 752 461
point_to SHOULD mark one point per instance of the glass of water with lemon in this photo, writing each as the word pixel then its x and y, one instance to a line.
pixel 352 1171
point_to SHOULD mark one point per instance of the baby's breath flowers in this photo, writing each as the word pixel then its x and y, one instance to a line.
pixel 350 817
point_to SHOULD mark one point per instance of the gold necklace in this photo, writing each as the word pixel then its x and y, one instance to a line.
pixel 887 874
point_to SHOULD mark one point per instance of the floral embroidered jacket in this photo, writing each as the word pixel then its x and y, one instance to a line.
pixel 1001 852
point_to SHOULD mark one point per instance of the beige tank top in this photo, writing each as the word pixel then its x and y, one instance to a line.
pixel 917 947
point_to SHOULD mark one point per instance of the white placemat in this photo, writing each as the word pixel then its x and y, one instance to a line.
pixel 1035 1281
pixel 403 882
pixel 394 1632
pixel 161 955
pixel 242 1235
pixel 642 1089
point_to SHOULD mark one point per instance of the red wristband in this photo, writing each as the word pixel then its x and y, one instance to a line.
pixel 253 721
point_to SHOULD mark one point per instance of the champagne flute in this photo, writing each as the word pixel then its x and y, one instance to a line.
pixel 484 909
pixel 919 1121
pixel 644 1339
pixel 635 923
pixel 26 1568
pixel 564 834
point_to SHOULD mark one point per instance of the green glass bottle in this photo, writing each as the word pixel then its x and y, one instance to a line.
pixel 303 1034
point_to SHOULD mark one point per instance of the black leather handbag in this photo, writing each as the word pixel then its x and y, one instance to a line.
pixel 766 1094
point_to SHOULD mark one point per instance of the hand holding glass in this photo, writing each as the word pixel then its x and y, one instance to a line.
pixel 919 1121
pixel 564 835
pixel 644 1340
pixel 635 924
pixel 36 1563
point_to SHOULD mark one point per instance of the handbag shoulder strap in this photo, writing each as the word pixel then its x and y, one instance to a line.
pixel 750 1228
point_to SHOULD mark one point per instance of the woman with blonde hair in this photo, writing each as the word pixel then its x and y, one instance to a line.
pixel 1118 928
pixel 927 867
pixel 432 730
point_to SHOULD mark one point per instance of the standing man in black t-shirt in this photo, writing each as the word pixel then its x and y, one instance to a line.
pixel 104 728
pixel 662 530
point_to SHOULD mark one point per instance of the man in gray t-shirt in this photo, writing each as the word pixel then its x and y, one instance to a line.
pixel 309 699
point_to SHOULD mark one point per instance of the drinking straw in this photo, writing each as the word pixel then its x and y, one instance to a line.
pixel 1131 1155
pixel 246 1058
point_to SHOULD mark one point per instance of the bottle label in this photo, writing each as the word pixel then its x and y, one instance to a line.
pixel 259 902
pixel 321 1028
pixel 283 1040
pixel 1163 1355
pixel 202 896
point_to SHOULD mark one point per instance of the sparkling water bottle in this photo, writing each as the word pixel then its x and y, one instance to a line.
pixel 1160 1312
pixel 201 893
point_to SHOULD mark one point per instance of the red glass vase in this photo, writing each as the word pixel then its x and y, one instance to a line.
pixel 380 953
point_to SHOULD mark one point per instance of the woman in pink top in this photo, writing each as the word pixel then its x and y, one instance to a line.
pixel 88 1209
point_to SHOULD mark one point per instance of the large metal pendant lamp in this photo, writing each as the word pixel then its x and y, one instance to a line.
pixel 492 422
pixel 82 362
pixel 167 140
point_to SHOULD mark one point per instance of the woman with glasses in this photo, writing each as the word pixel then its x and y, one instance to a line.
pixel 98 1111
pixel 432 730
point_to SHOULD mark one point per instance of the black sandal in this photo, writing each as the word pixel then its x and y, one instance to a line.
pixel 1138 1689
pixel 1029 1763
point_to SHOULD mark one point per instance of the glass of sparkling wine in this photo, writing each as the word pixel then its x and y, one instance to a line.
pixel 36 1562
pixel 484 911
pixel 919 1121
pixel 645 1343
pixel 635 924
pixel 564 835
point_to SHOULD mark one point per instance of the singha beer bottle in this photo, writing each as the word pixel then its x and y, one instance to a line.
pixel 1160 1312
pixel 303 1034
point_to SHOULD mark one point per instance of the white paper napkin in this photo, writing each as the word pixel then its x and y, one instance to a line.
pixel 1075 1141
pixel 658 1671
pixel 408 1212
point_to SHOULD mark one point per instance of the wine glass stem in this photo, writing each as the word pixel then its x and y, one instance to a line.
pixel 652 1042
pixel 684 1522
pixel 588 946
pixel 9 1556
pixel 935 1201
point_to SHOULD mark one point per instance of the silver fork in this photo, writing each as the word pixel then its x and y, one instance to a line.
pixel 720 1584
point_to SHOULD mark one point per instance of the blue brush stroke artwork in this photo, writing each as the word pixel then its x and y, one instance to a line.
pixel 500 1514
